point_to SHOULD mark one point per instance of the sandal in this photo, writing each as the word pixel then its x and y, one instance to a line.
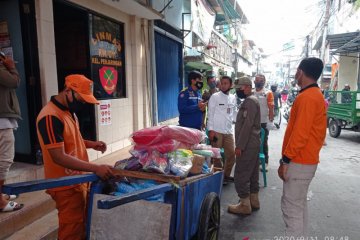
pixel 9 197
pixel 12 206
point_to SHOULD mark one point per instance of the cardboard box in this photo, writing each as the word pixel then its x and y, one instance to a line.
pixel 197 164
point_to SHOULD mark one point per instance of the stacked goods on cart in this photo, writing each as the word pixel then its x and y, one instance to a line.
pixel 169 150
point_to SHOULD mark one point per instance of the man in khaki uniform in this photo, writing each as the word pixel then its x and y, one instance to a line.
pixel 247 147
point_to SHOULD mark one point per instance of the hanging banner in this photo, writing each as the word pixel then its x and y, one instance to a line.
pixel 107 58
pixel 202 20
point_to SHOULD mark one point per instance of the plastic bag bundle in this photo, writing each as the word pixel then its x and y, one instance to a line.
pixel 155 162
pixel 216 151
pixel 180 162
pixel 131 164
pixel 205 153
pixel 153 135
pixel 148 136
pixel 183 134
pixel 129 187
pixel 205 168
pixel 202 147
pixel 163 147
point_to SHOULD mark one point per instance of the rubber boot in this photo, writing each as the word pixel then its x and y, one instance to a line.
pixel 254 201
pixel 243 207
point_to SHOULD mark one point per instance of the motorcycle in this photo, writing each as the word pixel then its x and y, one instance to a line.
pixel 289 103
pixel 287 110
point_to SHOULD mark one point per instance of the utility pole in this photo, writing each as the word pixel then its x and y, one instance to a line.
pixel 326 21
pixel 257 64
pixel 307 46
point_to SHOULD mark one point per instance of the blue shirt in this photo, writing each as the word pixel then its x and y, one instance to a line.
pixel 190 114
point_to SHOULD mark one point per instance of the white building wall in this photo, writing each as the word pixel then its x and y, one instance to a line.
pixel 128 114
pixel 348 72
pixel 172 13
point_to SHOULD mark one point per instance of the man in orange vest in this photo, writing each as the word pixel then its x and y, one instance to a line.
pixel 304 137
pixel 64 153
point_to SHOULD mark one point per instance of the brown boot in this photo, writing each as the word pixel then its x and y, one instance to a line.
pixel 243 207
pixel 254 201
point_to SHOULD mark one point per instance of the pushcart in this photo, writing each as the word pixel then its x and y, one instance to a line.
pixel 190 210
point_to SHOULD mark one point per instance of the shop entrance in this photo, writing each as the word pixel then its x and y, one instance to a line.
pixel 72 55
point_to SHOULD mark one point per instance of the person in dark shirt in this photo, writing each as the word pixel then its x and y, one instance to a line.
pixel 346 95
pixel 190 103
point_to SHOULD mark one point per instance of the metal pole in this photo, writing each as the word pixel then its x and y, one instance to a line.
pixel 326 21
pixel 358 80
pixel 154 108
pixel 307 46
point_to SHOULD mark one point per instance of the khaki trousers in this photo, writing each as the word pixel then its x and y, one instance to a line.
pixel 247 172
pixel 294 198
pixel 225 141
pixel 7 151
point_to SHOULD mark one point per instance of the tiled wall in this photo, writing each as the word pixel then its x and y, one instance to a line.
pixel 128 114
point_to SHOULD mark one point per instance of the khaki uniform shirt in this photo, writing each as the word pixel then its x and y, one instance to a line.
pixel 247 126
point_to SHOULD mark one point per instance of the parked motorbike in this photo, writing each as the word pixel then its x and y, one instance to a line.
pixel 287 110
pixel 289 103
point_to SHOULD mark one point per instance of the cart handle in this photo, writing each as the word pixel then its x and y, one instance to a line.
pixel 32 186
pixel 115 201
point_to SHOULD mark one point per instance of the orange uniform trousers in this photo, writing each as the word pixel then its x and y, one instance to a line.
pixel 72 209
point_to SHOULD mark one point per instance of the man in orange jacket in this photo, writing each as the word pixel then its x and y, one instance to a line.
pixel 64 152
pixel 304 137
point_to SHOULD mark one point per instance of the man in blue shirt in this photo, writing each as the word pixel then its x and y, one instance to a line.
pixel 190 103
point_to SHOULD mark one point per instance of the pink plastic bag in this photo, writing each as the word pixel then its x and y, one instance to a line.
pixel 147 135
pixel 183 134
pixel 163 147
pixel 153 135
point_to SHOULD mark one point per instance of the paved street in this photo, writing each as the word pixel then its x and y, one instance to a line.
pixel 334 209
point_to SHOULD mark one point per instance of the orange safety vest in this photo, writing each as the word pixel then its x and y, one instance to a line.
pixel 72 141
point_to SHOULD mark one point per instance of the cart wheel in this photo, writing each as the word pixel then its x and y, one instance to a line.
pixel 334 128
pixel 209 222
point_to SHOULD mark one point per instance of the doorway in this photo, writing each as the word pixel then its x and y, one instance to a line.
pixel 73 55
pixel 18 28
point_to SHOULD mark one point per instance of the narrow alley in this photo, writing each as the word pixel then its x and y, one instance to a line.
pixel 333 198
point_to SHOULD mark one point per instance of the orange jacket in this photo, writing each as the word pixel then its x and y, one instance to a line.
pixel 306 130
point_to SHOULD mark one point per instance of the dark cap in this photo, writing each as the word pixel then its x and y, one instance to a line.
pixel 243 81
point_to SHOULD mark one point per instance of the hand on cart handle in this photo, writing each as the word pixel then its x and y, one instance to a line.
pixel 104 171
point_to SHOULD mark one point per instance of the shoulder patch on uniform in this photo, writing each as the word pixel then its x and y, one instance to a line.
pixel 182 95
pixel 245 113
pixel 184 89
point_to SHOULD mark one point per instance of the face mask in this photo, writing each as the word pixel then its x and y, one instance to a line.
pixel 240 93
pixel 212 85
pixel 199 85
pixel 259 85
pixel 75 105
